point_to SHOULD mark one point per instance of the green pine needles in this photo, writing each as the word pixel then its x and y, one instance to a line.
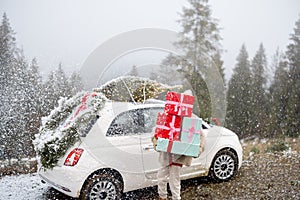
pixel 134 89
pixel 65 125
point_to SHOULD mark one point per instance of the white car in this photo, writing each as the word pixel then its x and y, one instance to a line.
pixel 117 155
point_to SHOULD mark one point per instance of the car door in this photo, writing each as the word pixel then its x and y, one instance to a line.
pixel 149 155
pixel 198 164
pixel 124 135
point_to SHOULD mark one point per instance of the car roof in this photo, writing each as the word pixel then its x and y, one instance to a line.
pixel 119 107
pixel 114 108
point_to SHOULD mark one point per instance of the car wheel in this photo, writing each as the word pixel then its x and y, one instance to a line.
pixel 100 187
pixel 224 166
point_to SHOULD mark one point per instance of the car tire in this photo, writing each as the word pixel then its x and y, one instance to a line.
pixel 101 186
pixel 224 166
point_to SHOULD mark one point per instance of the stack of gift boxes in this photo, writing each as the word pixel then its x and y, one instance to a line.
pixel 176 130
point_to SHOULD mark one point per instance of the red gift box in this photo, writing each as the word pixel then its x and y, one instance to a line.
pixel 179 104
pixel 168 126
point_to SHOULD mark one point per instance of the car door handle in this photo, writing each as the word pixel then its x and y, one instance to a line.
pixel 150 147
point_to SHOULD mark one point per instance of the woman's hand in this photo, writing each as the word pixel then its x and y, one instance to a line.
pixel 154 142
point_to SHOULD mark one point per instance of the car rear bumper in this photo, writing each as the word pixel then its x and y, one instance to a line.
pixel 63 180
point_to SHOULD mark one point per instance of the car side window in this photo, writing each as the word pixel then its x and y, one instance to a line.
pixel 126 123
pixel 150 116
pixel 134 122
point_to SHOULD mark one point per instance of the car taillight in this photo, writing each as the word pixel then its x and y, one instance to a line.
pixel 73 157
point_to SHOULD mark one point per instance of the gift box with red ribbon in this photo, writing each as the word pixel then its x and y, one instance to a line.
pixel 184 148
pixel 179 104
pixel 176 130
pixel 190 130
pixel 167 126
pixel 189 142
pixel 177 147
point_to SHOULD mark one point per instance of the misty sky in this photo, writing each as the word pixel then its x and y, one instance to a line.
pixel 68 31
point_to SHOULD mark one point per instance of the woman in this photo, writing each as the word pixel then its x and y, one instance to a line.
pixel 171 165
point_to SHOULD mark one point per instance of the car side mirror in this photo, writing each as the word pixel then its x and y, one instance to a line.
pixel 216 121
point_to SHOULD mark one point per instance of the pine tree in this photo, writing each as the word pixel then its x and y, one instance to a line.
pixel 7 52
pixel 219 88
pixel 270 73
pixel 49 99
pixel 258 92
pixel 153 75
pixel 35 95
pixel 57 86
pixel 22 104
pixel 218 62
pixel 200 35
pixel 62 88
pixel 278 100
pixel 163 75
pixel 7 59
pixel 12 76
pixel 133 71
pixel 199 40
pixel 293 107
pixel 75 83
pixel 239 96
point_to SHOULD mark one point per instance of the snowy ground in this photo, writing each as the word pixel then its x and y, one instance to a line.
pixel 262 176
pixel 19 187
pixel 266 176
